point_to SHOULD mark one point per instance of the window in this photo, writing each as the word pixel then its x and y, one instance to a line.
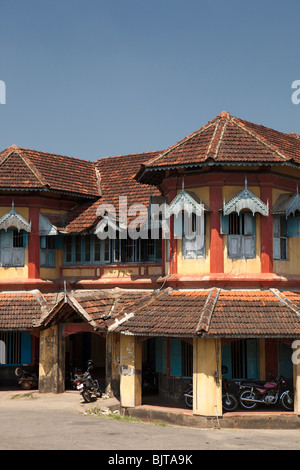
pixel 86 249
pixel 13 243
pixel 242 359
pixel 280 251
pixel 47 251
pixel 193 248
pixel 240 230
pixel 15 347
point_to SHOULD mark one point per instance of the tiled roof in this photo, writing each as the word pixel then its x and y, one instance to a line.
pixel 225 139
pixel 22 168
pixel 21 310
pixel 217 313
pixel 117 179
pixel 174 313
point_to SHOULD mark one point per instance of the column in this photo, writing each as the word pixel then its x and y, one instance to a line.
pixel 216 240
pixel 207 378
pixel 52 360
pixel 34 244
pixel 130 371
pixel 296 377
pixel 266 230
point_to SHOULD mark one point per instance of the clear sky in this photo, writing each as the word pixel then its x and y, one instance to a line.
pixel 95 78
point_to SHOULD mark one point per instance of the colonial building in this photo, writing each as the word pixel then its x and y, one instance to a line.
pixel 180 302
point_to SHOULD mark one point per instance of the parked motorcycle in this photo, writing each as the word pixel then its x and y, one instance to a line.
pixel 229 398
pixel 27 379
pixel 87 386
pixel 267 393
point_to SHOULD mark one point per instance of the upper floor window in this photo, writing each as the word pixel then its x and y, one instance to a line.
pixel 280 240
pixel 48 251
pixel 89 249
pixel 240 230
pixel 13 243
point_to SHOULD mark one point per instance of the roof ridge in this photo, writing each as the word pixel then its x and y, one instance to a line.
pixel 240 123
pixel 217 137
pixel 285 300
pixel 185 139
pixel 26 160
pixel 207 311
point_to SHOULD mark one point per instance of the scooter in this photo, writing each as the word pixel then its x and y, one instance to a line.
pixel 267 393
pixel 27 380
pixel 87 386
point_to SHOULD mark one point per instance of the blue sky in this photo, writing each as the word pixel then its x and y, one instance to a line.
pixel 106 77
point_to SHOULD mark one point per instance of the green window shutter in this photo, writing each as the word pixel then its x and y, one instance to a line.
pixel 25 238
pixel 224 224
pixel 293 227
pixel 25 348
pixel 226 359
pixel 252 359
pixel 175 357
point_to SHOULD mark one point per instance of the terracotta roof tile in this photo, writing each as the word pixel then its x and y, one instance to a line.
pixel 225 139
pixel 30 169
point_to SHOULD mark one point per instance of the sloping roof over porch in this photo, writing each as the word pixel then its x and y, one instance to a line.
pixel 176 313
pixel 215 313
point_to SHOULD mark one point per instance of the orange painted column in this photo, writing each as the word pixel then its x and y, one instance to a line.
pixel 266 229
pixel 216 240
pixel 34 244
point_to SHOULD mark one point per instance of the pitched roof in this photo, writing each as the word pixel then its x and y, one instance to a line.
pixel 27 169
pixel 216 313
pixel 116 175
pixel 225 139
pixel 21 310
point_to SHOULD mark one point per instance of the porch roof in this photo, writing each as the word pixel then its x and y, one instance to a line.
pixel 190 313
pixel 216 313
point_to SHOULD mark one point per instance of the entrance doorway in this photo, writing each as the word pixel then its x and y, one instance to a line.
pixel 79 348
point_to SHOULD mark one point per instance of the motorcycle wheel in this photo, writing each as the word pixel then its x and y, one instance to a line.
pixel 87 396
pixel 26 385
pixel 288 401
pixel 189 400
pixel 229 402
pixel 244 396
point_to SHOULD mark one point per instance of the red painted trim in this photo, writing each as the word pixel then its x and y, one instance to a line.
pixel 34 244
pixel 266 236
pixel 72 328
pixel 216 240
pixel 173 240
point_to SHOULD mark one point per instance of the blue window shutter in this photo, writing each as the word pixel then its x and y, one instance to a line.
pixel 58 241
pixel 25 348
pixel 25 238
pixel 292 225
pixel 175 357
pixel 285 361
pixel 224 224
pixel 252 359
pixel 226 359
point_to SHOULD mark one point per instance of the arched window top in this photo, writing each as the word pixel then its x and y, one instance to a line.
pixel 13 219
pixel 246 199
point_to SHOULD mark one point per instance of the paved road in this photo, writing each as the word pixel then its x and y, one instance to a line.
pixel 59 422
